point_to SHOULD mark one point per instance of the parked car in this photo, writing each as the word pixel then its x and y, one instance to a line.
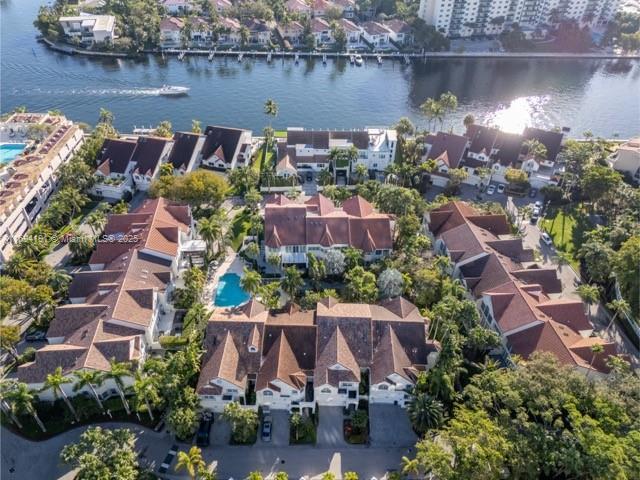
pixel 538 205
pixel 533 193
pixel 535 216
pixel 166 463
pixel 546 238
pixel 35 336
pixel 501 188
pixel 204 430
pixel 267 423
pixel 491 189
pixel 309 177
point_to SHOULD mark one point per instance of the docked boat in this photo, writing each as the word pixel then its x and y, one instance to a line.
pixel 172 90
pixel 358 60
pixel 352 59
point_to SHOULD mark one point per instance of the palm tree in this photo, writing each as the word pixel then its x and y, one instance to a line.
pixel 105 116
pixel 72 198
pixel 55 382
pixel 21 399
pixel 192 462
pixel 425 412
pixel 410 466
pixel 5 397
pixel 271 108
pixel 589 294
pixel 325 177
pixel 18 264
pixel 166 170
pixel 92 379
pixel 118 371
pixel 81 244
pixel 596 350
pixel 250 281
pixel 211 231
pixel 619 307
pixel 361 171
pixel 296 422
pixel 59 281
pixel 535 149
pixel 145 388
pixel 96 221
pixel 196 126
pixel 255 475
pixel 292 282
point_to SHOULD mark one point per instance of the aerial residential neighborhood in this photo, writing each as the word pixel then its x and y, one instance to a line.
pixel 319 239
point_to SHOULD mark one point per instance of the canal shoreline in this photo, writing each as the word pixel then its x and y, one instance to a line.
pixel 211 53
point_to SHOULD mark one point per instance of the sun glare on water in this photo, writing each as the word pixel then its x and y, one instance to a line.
pixel 520 113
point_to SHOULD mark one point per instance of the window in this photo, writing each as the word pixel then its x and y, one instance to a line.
pixel 267 393
pixel 342 391
pixel 325 390
pixel 227 398
pixel 384 386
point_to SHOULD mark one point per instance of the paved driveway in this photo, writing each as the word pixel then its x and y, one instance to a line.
pixel 390 426
pixel 220 432
pixel 279 430
pixel 330 432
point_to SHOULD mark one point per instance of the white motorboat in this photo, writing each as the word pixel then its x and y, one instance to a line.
pixel 173 90
pixel 358 60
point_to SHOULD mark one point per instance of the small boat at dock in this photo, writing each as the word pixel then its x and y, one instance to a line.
pixel 379 58
pixel 324 59
pixel 181 55
pixel 240 57
pixel 352 59
pixel 269 57
pixel 358 60
pixel 296 58
pixel 211 55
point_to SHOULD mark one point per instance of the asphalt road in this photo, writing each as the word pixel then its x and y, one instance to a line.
pixel 25 460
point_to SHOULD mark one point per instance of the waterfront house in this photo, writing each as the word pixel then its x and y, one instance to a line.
pixel 118 307
pixel 150 153
pixel 309 149
pixel 225 148
pixel 113 177
pixel 300 7
pixel 292 32
pixel 292 230
pixel 89 29
pixel 320 7
pixel 516 297
pixel 321 30
pixel 201 32
pixel 259 31
pixel 185 152
pixel 377 34
pixel 171 32
pixel 626 159
pixel 229 31
pixel 353 32
pixel 348 7
pixel 28 181
pixel 447 150
pixel 401 31
pixel 294 359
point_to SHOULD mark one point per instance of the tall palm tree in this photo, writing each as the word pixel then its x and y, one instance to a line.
pixel 55 382
pixel 92 379
pixel 145 388
pixel 292 282
pixel 425 412
pixel 211 231
pixel 619 307
pixel 589 294
pixel 73 198
pixel 18 264
pixel 105 116
pixel 5 398
pixel 118 371
pixel 192 462
pixel 21 399
pixel 251 281
pixel 59 281
pixel 596 350
pixel 271 109
pixel 96 221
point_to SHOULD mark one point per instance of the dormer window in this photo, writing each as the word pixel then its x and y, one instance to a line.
pixel 384 386
pixel 253 349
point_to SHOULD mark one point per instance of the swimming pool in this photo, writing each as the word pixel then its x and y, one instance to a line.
pixel 9 151
pixel 229 292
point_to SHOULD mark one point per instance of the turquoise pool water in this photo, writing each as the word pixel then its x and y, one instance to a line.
pixel 229 292
pixel 9 151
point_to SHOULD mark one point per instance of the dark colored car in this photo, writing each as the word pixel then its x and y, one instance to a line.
pixel 309 177
pixel 266 428
pixel 36 336
pixel 166 463
pixel 204 431
pixel 533 193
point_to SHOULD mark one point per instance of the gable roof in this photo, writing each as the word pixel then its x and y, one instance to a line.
pixel 184 145
pixel 280 364
pixel 221 141
pixel 389 358
pixel 148 154
pixel 115 156
pixel 551 140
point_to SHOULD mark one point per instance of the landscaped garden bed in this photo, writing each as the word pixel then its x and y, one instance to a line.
pixel 302 429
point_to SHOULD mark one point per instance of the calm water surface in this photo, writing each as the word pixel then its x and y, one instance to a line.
pixel 601 96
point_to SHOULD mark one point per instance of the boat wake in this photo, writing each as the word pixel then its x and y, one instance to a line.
pixel 97 92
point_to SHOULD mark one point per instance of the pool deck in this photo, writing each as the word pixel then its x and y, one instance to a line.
pixel 231 264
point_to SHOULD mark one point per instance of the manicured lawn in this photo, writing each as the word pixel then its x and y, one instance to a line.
pixel 239 228
pixel 259 164
pixel 280 133
pixel 567 229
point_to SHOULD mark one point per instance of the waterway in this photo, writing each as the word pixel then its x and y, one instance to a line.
pixel 600 96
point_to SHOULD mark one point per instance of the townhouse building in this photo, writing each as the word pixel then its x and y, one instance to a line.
pixel 300 7
pixel 295 360
pixel 229 33
pixel 128 164
pixel 292 32
pixel 516 297
pixel 171 32
pixel 29 180
pixel 308 150
pixel 117 305
pixel 490 149
pixel 180 7
pixel 626 159
pixel 293 230
pixel 89 29
pixel 225 148
pixel 465 18
pixel 185 152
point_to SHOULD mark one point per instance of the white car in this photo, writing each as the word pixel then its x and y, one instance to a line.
pixel 546 238
pixel 500 188
pixel 538 205
pixel 491 189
